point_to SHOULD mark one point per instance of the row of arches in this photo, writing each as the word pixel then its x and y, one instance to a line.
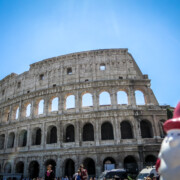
pixel 53 104
pixel 69 168
pixel 88 134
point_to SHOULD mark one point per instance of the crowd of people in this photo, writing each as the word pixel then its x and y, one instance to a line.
pixel 82 174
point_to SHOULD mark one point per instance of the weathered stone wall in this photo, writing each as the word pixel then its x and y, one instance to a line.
pixel 77 74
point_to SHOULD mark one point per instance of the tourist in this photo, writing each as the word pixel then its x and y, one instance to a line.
pixel 84 173
pixel 49 175
pixel 78 177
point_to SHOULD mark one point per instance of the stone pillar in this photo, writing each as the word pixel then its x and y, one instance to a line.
pixel 77 136
pixel 26 165
pixel 5 141
pixel 77 102
pixel 117 130
pixel 10 114
pixel 58 163
pixel 141 158
pixel 60 104
pixel 20 111
pixel 61 139
pixel 156 128
pixel 131 97
pixel 114 99
pixel 44 134
pixel 95 100
pixel 28 137
pixel 138 130
pixel 97 129
pixel 45 108
pixel 33 109
pixel 41 167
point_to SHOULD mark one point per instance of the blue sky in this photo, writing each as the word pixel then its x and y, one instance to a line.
pixel 32 30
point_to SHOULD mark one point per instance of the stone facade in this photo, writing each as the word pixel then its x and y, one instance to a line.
pixel 123 134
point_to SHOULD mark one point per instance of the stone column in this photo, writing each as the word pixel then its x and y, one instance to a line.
pixel 60 104
pixel 28 137
pixel 114 99
pixel 45 108
pixel 97 133
pixel 117 130
pixel 156 128
pixel 10 114
pixel 95 101
pixel 33 112
pixel 61 139
pixel 26 165
pixel 138 130
pixel 131 96
pixel 58 164
pixel 41 167
pixel 77 136
pixel 77 102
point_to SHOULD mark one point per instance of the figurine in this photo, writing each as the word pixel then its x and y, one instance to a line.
pixel 168 163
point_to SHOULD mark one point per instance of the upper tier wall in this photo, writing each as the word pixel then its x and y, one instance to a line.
pixel 71 68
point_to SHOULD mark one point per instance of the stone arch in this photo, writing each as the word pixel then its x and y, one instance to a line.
pixel 6 115
pixel 36 136
pixel 69 169
pixel 52 134
pixel 104 98
pixel 70 101
pixel 69 133
pixel 140 98
pixel 88 132
pixel 15 112
pixel 2 140
pixel 89 164
pixel 33 169
pixel 109 163
pixel 146 129
pixel 54 103
pixel 52 162
pixel 28 110
pixel 22 140
pixel 122 97
pixel 150 160
pixel 107 131
pixel 130 164
pixel 7 167
pixel 19 167
pixel 87 99
pixel 40 107
pixel 126 130
pixel 161 129
pixel 11 139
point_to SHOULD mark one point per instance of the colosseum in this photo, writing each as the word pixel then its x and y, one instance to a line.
pixel 93 107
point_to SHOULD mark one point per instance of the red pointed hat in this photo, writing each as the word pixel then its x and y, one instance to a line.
pixel 173 123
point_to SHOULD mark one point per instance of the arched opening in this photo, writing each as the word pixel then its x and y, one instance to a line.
pixel 28 110
pixel 69 168
pixel 162 132
pixel 7 168
pixel 130 165
pixel 6 114
pixel 87 100
pixel 70 102
pixel 22 138
pixel 146 129
pixel 150 160
pixel 11 138
pixel 139 98
pixel 2 138
pixel 33 169
pixel 89 164
pixel 20 167
pixel 88 132
pixel 52 135
pixel 17 113
pixel 109 163
pixel 126 130
pixel 54 104
pixel 36 136
pixel 41 107
pixel 122 97
pixel 53 163
pixel 70 134
pixel 104 98
pixel 107 131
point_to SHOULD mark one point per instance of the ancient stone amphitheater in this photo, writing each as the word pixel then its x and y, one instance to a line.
pixel 94 107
